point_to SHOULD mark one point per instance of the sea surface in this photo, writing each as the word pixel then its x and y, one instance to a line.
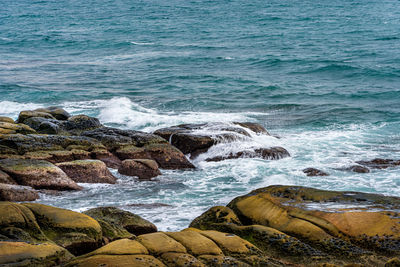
pixel 323 75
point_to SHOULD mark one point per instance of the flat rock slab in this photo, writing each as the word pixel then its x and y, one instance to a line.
pixel 87 171
pixel 38 174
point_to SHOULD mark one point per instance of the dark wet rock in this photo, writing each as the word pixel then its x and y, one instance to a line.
pixel 167 156
pixel 56 112
pixel 10 192
pixel 358 168
pixel 107 157
pixel 314 172
pixel 142 168
pixel 380 163
pixel 306 225
pixel 87 171
pixel 79 123
pixel 6 119
pixel 44 126
pixel 113 138
pixel 38 174
pixel 26 114
pixel 117 223
pixel 255 127
pixel 272 153
pixel 5 178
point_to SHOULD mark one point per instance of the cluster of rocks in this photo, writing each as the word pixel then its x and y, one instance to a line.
pixel 48 149
pixel 273 226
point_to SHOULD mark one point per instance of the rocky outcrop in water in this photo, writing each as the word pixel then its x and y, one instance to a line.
pixel 312 226
pixel 143 168
pixel 195 139
pixel 78 146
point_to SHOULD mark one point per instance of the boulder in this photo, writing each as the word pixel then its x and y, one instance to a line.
pixel 24 254
pixel 314 172
pixel 272 153
pixel 56 112
pixel 10 192
pixel 168 157
pixel 26 114
pixel 117 223
pixel 107 157
pixel 38 174
pixel 76 232
pixel 87 171
pixel 300 224
pixel 44 125
pixel 380 163
pixel 131 152
pixel 255 127
pixel 6 119
pixel 358 168
pixel 5 178
pixel 79 123
pixel 142 168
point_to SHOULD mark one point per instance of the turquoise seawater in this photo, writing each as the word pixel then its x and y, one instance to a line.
pixel 322 75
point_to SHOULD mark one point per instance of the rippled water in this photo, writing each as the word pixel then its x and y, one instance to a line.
pixel 324 77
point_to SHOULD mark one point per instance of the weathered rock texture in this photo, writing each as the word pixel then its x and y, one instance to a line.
pixel 87 171
pixel 142 168
pixel 311 226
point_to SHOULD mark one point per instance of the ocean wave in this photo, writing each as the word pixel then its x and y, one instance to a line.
pixel 12 109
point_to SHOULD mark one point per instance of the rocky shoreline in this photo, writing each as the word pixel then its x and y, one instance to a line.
pixel 48 149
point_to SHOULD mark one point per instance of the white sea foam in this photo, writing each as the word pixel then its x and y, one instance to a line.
pixel 12 109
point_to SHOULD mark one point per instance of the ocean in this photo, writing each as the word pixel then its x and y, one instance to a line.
pixel 324 76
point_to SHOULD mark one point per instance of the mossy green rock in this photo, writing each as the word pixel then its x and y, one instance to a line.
pixel 24 254
pixel 12 128
pixel 38 174
pixel 26 114
pixel 74 231
pixel 117 223
pixel 6 119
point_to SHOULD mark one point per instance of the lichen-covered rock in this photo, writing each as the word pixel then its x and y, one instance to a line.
pixel 26 114
pixel 117 223
pixel 114 138
pixel 13 128
pixel 159 243
pixel 10 192
pixel 107 157
pixel 131 152
pixel 24 254
pixel 142 168
pixel 76 232
pixel 301 224
pixel 168 157
pixel 116 261
pixel 87 171
pixel 38 174
pixel 5 178
pixel 6 119
pixel 314 172
pixel 79 123
pixel 56 112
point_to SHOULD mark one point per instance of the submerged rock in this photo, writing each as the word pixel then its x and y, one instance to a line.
pixel 117 223
pixel 380 163
pixel 298 224
pixel 38 174
pixel 87 171
pixel 142 168
pixel 314 172
pixel 272 153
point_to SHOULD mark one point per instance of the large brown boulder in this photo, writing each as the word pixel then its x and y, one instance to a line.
pixel 26 114
pixel 32 255
pixel 117 223
pixel 299 224
pixel 5 178
pixel 38 174
pixel 142 168
pixel 87 171
pixel 10 192
pixel 168 157
pixel 56 112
